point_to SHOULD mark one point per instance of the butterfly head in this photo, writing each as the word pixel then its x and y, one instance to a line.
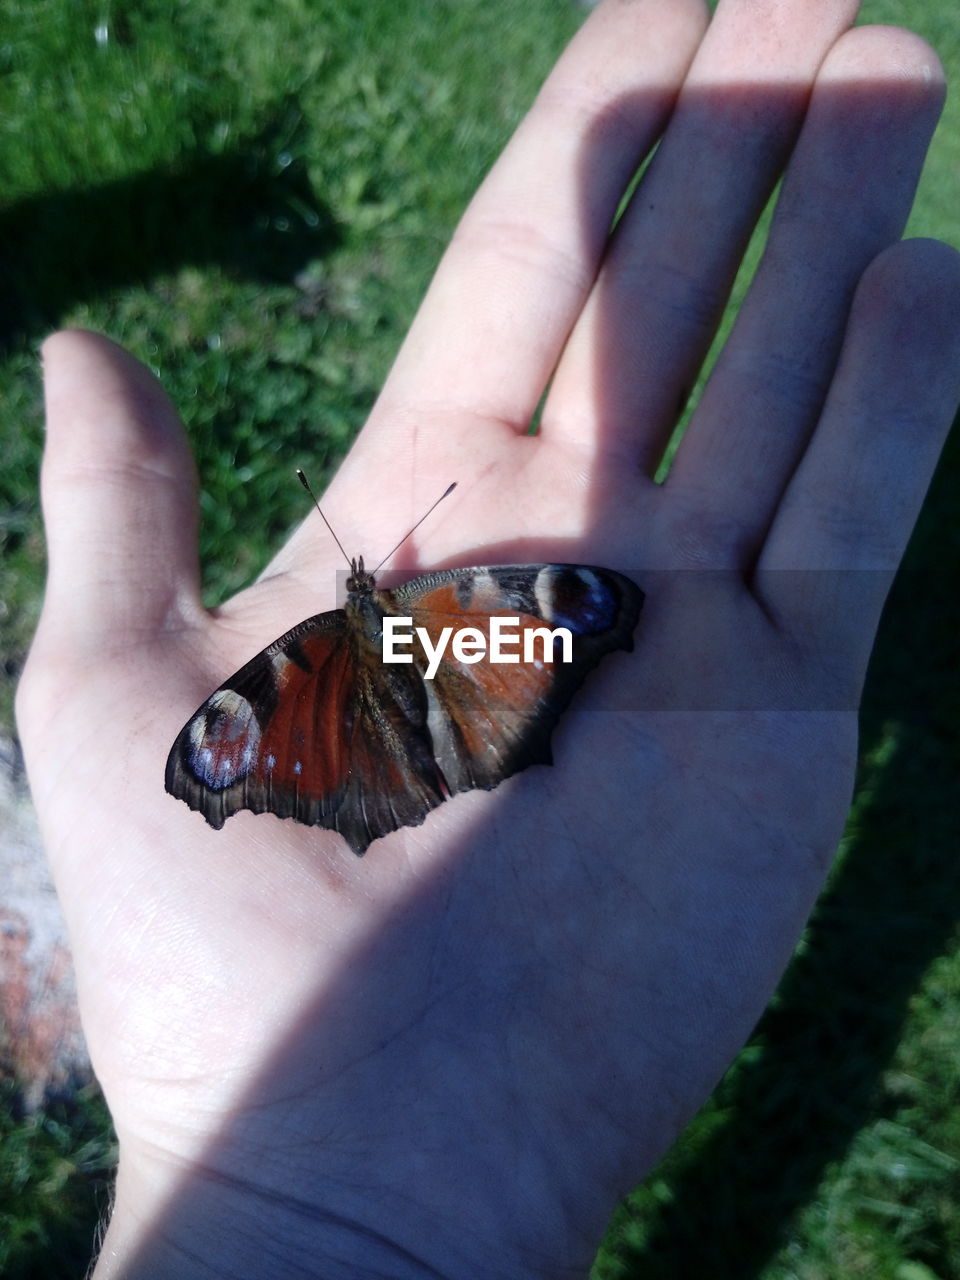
pixel 361 582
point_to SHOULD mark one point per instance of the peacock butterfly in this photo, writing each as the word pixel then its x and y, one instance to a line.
pixel 323 726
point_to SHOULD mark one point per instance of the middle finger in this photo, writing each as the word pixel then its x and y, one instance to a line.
pixel 638 345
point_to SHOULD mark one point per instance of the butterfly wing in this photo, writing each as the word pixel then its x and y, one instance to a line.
pixel 314 728
pixel 489 720
pixel 319 729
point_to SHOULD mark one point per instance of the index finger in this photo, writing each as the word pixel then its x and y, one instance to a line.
pixel 526 252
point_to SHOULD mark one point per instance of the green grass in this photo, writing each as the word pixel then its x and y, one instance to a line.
pixel 252 197
pixel 55 1167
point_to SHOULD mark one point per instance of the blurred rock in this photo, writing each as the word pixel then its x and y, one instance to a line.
pixel 41 1044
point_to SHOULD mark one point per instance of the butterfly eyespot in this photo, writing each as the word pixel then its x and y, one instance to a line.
pixel 576 597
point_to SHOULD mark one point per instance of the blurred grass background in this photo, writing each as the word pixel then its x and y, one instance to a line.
pixel 252 198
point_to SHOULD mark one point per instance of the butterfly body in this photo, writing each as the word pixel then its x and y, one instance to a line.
pixel 319 727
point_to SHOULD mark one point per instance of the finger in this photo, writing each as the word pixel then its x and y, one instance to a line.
pixel 526 251
pixel 119 496
pixel 639 344
pixel 846 197
pixel 849 510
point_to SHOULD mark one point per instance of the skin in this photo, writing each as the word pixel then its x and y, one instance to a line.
pixel 452 1057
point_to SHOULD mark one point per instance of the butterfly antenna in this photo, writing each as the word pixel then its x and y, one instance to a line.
pixel 306 484
pixel 446 494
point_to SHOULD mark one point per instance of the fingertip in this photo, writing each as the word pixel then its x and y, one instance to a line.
pixel 921 270
pixel 912 292
pixel 99 397
pixel 883 52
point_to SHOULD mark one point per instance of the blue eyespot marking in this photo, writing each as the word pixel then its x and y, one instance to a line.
pixel 576 599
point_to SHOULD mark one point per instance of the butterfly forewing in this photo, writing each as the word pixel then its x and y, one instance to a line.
pixel 251 744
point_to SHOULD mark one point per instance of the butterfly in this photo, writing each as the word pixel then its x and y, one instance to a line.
pixel 321 727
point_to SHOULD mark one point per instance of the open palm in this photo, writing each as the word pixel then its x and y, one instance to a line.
pixel 450 1057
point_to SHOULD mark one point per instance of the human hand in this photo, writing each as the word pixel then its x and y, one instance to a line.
pixel 457 1053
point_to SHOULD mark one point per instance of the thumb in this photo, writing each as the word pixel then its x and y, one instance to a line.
pixel 120 511
pixel 119 496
